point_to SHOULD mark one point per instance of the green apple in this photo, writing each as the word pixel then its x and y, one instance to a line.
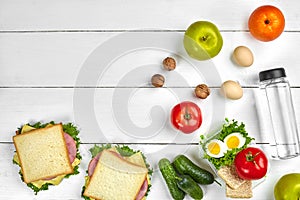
pixel 202 40
pixel 288 187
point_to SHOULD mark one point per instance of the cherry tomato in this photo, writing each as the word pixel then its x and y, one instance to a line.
pixel 251 163
pixel 266 23
pixel 186 117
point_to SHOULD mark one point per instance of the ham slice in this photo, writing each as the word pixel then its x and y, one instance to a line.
pixel 143 190
pixel 92 164
pixel 71 146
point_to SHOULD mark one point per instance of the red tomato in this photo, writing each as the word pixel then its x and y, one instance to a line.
pixel 251 163
pixel 186 117
pixel 266 23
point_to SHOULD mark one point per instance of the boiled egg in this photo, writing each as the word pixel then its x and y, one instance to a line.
pixel 215 148
pixel 234 140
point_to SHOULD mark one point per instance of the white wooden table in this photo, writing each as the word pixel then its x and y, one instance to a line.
pixel 90 62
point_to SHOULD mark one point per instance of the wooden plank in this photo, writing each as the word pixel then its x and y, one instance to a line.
pixel 83 59
pixel 19 15
pixel 46 44
pixel 71 188
pixel 129 115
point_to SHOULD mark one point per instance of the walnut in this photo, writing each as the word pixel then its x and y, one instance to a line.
pixel 169 63
pixel 158 80
pixel 202 91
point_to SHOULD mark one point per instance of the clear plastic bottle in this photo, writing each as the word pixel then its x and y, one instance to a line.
pixel 277 90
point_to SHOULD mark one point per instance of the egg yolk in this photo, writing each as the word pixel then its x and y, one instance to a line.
pixel 214 148
pixel 233 142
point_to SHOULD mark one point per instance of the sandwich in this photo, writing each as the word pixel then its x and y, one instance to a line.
pixel 46 153
pixel 118 173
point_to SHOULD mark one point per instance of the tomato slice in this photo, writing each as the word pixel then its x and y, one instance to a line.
pixel 186 117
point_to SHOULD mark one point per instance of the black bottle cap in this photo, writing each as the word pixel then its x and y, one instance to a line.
pixel 272 73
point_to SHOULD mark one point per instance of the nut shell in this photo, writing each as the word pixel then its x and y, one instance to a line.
pixel 157 80
pixel 202 91
pixel 169 63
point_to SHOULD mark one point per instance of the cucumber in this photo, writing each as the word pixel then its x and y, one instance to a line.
pixel 170 177
pixel 185 166
pixel 190 187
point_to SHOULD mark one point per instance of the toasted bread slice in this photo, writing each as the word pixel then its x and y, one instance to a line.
pixel 229 175
pixel 43 153
pixel 243 191
pixel 115 178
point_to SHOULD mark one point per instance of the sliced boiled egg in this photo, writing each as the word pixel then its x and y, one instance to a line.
pixel 215 148
pixel 234 140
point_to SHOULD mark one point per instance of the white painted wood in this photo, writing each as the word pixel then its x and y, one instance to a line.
pixel 102 114
pixel 71 188
pixel 58 59
pixel 44 46
pixel 120 15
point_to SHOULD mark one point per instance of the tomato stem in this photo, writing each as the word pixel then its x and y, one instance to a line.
pixel 187 115
pixel 250 157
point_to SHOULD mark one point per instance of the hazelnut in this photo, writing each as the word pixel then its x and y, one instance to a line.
pixel 169 63
pixel 202 91
pixel 157 80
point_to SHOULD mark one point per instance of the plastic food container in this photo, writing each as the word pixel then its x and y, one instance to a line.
pixel 229 154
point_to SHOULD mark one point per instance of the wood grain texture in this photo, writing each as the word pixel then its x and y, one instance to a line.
pixel 130 115
pixel 44 48
pixel 20 15
pixel 58 59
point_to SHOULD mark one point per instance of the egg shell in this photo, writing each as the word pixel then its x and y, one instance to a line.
pixel 231 90
pixel 243 56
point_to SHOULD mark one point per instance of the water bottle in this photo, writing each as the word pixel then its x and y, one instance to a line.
pixel 276 88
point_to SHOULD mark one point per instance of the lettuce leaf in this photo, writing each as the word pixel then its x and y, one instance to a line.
pixel 230 126
pixel 97 149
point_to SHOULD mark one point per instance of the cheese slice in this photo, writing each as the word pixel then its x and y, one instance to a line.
pixel 26 128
